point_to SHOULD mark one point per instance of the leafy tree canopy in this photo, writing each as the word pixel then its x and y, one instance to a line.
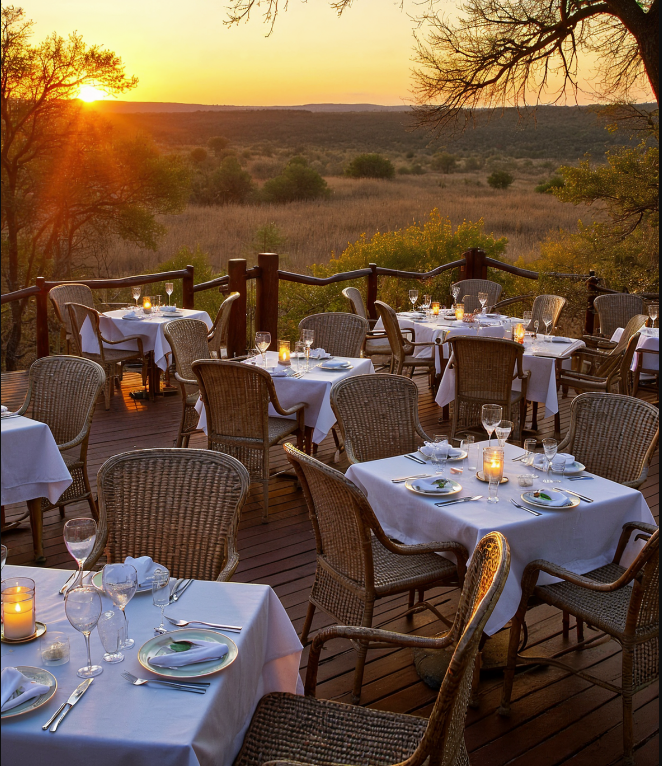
pixel 500 179
pixel 297 181
pixel 370 166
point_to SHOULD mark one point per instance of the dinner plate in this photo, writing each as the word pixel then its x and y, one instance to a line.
pixel 452 489
pixel 97 581
pixel 574 470
pixel 134 319
pixel 528 497
pixel 453 459
pixel 338 368
pixel 171 314
pixel 41 676
pixel 157 646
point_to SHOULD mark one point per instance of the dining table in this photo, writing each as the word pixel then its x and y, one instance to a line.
pixel 32 468
pixel 116 722
pixel 313 388
pixel 581 539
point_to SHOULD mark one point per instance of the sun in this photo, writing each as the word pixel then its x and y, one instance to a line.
pixel 89 93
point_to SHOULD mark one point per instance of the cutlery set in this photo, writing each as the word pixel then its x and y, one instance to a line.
pixel 459 500
pixel 524 508
pixel 65 707
pixel 196 687
pixel 178 589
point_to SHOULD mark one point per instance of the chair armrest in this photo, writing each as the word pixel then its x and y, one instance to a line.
pixel 79 439
pixel 570 375
pixel 363 634
pixel 530 577
pixel 628 528
pixel 299 406
pixel 376 334
pixel 597 341
pixel 137 338
pixel 423 343
pixel 229 569
pixel 186 381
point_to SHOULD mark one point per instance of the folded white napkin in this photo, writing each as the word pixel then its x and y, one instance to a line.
pixel 168 308
pixel 3 408
pixel 132 315
pixel 561 339
pixel 17 689
pixel 145 568
pixel 559 499
pixel 202 651
pixel 433 484
pixel 540 462
pixel 319 353
pixel 280 372
pixel 335 364
pixel 444 449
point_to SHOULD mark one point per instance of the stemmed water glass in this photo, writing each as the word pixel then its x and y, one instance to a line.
pixel 490 416
pixel 483 298
pixel 120 582
pixel 135 292
pixel 427 300
pixel 503 432
pixel 455 290
pixel 4 555
pixel 536 325
pixel 111 632
pixel 161 595
pixel 79 537
pixel 82 606
pixel 308 338
pixel 169 287
pixel 413 297
pixel 550 446
pixel 530 451
pixel 262 343
pixel 548 319
pixel 654 311
pixel 527 316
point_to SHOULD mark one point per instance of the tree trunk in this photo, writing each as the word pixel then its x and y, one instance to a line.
pixel 15 333
pixel 649 48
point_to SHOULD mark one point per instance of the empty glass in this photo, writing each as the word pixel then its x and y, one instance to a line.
pixel 550 446
pixel 82 605
pixel 169 287
pixel 120 582
pixel 536 325
pixel 558 466
pixel 135 292
pixel 491 415
pixel 427 300
pixel 308 338
pixel 503 431
pixel 413 297
pixel 262 342
pixel 111 632
pixel 79 537
pixel 654 312
pixel 548 319
pixel 439 453
pixel 161 595
pixel 467 445
pixel 54 648
pixel 455 291
pixel 299 355
pixel 483 298
pixel 4 555
pixel 527 316
pixel 530 450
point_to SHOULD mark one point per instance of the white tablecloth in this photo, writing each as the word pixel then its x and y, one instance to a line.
pixel 113 327
pixel 580 539
pixel 116 723
pixel 649 341
pixel 314 389
pixel 32 465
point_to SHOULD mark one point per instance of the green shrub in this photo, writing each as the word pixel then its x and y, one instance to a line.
pixel 417 170
pixel 218 144
pixel 297 181
pixel 444 162
pixel 370 166
pixel 546 187
pixel 500 179
pixel 472 163
pixel 198 155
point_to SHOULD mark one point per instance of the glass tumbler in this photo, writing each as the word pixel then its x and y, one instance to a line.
pixel 111 627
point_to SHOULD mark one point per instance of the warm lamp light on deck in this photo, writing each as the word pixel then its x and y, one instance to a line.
pixel 284 352
pixel 147 304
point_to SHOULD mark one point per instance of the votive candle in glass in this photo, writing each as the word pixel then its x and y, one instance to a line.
pixel 518 333
pixel 493 471
pixel 284 352
pixel 18 608
pixel 147 304
pixel 459 311
pixel 435 308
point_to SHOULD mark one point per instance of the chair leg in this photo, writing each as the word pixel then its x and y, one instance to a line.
pixel 265 501
pixel 307 623
pixel 534 416
pixel 557 422
pixel 107 388
pixel 358 673
pixel 566 624
pixel 509 673
pixel 580 630
pixel 628 730
pixel 412 598
pixel 90 497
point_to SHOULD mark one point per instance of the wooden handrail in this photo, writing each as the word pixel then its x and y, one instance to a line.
pixel 19 295
pixel 512 269
pixel 609 291
pixel 217 282
pixel 106 284
pixel 382 272
pixel 304 279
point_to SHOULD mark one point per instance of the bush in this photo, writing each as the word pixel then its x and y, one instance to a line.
pixel 218 145
pixel 546 187
pixel 206 300
pixel 444 162
pixel 471 164
pixel 228 184
pixel 404 170
pixel 370 166
pixel 198 155
pixel 500 179
pixel 417 170
pixel 297 181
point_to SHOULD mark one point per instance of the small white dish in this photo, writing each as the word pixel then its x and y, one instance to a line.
pixel 530 499
pixel 422 487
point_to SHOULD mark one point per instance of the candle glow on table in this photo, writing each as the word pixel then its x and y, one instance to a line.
pixel 519 333
pixel 493 464
pixel 284 352
pixel 435 308
pixel 18 609
pixel 147 304
pixel 459 311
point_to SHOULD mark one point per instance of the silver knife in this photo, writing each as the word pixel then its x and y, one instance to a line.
pixel 177 584
pixel 459 500
pixel 408 478
pixel 180 592
pixel 415 459
pixel 73 699
pixel 576 494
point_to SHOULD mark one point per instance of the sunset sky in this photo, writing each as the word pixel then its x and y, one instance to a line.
pixel 183 52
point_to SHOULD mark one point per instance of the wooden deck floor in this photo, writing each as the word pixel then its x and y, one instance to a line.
pixel 556 718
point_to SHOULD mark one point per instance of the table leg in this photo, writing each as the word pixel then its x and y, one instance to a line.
pixel 37 525
pixel 154 378
pixel 308 440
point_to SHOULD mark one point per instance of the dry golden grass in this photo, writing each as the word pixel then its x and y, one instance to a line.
pixel 315 230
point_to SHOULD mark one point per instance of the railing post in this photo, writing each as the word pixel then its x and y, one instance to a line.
pixel 43 343
pixel 372 292
pixel 188 296
pixel 237 325
pixel 266 297
pixel 592 292
pixel 475 266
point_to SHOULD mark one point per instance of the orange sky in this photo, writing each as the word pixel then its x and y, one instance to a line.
pixel 183 52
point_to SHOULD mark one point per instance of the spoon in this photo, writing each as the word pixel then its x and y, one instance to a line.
pixel 184 623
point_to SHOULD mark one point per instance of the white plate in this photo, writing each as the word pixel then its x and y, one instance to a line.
pixel 451 489
pixel 574 470
pixel 453 459
pixel 97 581
pixel 41 676
pixel 171 314
pixel 134 319
pixel 157 646
pixel 336 368
pixel 528 498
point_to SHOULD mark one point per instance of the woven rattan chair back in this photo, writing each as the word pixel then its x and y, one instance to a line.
pixel 471 304
pixel 378 416
pixel 63 294
pixel 544 305
pixel 613 435
pixel 188 341
pixel 218 335
pixel 181 507
pixel 78 313
pixel 644 608
pixel 471 287
pixel 356 304
pixel 62 392
pixel 399 346
pixel 633 325
pixel 338 334
pixel 616 310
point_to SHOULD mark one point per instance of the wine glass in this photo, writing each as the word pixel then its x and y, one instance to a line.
pixel 308 338
pixel 527 316
pixel 82 606
pixel 135 292
pixel 550 446
pixel 427 300
pixel 413 297
pixel 157 307
pixel 79 537
pixel 548 319
pixel 262 342
pixel 169 287
pixel 503 431
pixel 536 325
pixel 483 298
pixel 120 582
pixel 491 415
pixel 654 311
pixel 439 454
pixel 111 632
pixel 455 290
pixel 4 555
pixel 530 451
pixel 161 595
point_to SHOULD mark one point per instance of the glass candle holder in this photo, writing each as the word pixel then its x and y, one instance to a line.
pixel 54 649
pixel 18 608
pixel 459 311
pixel 493 471
pixel 519 333
pixel 284 356
pixel 525 479
pixel 147 304
pixel 435 308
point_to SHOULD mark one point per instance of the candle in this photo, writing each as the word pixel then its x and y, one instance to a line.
pixel 435 308
pixel 518 333
pixel 18 608
pixel 459 311
pixel 493 464
pixel 147 304
pixel 284 352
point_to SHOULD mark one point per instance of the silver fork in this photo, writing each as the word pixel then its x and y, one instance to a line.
pixel 524 508
pixel 196 688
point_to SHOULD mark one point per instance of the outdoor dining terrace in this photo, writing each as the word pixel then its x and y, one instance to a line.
pixel 556 717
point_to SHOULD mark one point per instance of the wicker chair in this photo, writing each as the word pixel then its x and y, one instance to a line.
pixel 237 398
pixel 403 350
pixel 62 392
pixel 605 345
pixel 356 562
pixel 181 507
pixel 110 359
pixel 616 310
pixel 188 341
pixel 338 334
pixel 59 297
pixel 218 335
pixel 648 363
pixel 469 288
pixel 543 304
pixel 376 342
pixel 485 369
pixel 288 729
pixel 378 416
pixel 603 599
pixel 614 436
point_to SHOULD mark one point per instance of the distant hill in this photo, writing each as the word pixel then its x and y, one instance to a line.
pixel 132 107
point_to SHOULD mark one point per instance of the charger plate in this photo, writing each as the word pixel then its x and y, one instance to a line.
pixel 41 676
pixel 452 490
pixel 157 646
pixel 529 499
